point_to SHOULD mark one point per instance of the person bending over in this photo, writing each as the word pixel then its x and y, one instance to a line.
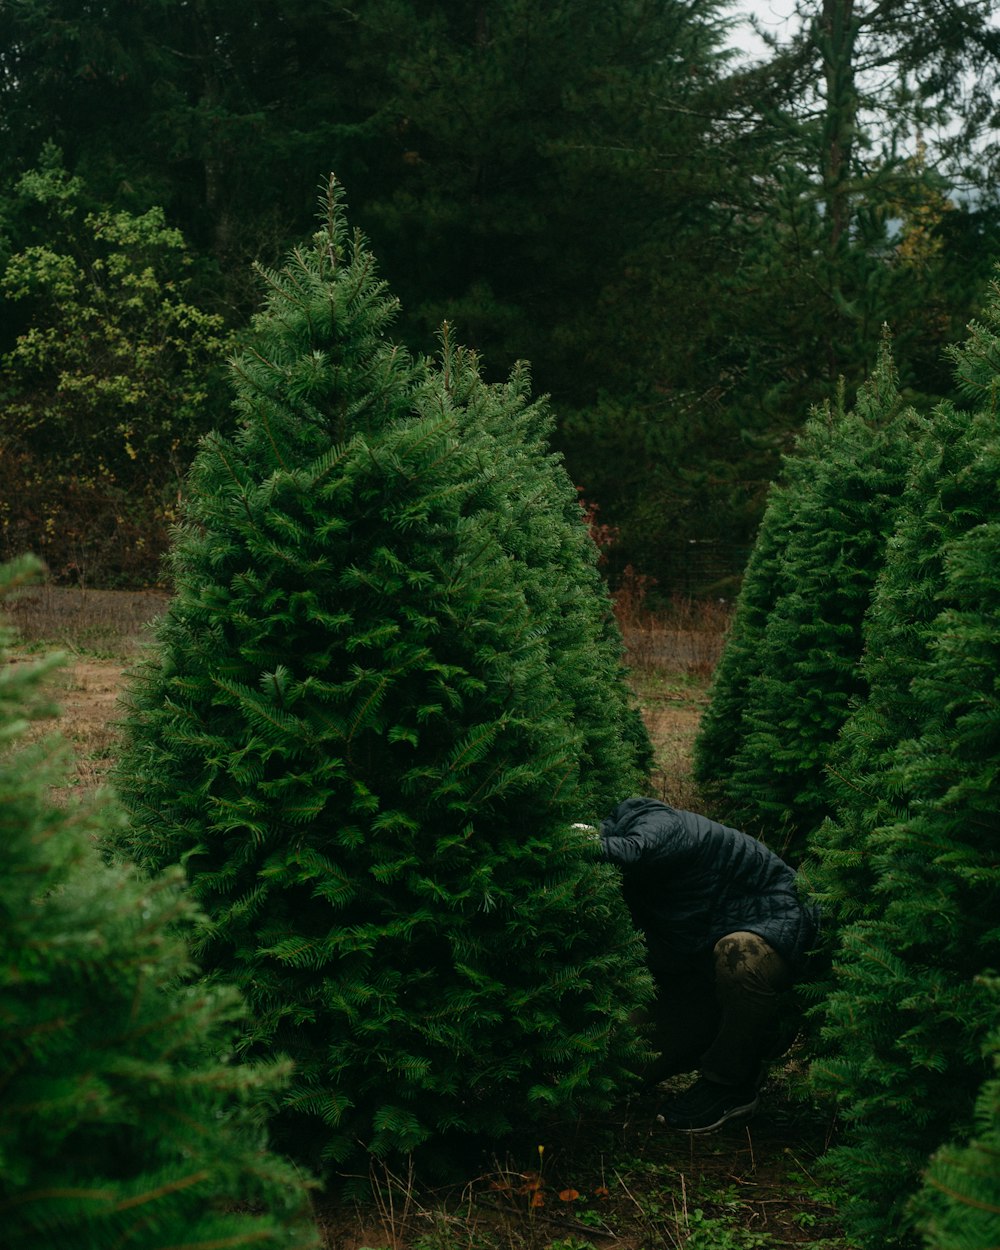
pixel 727 936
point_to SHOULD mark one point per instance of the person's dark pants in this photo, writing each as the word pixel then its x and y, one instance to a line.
pixel 720 1014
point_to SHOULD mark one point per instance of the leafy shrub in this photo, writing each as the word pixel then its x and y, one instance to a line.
pixel 113 373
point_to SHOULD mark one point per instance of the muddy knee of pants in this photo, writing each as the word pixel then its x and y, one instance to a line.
pixel 751 980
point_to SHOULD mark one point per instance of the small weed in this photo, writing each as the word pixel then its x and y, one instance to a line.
pixel 447 1233
pixel 704 1232
pixel 591 1218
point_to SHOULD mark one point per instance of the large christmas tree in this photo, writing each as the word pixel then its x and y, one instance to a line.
pixel 386 687
pixel 908 872
pixel 121 1121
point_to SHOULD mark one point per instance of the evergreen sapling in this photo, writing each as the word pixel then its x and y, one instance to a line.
pixel 527 496
pixel 865 785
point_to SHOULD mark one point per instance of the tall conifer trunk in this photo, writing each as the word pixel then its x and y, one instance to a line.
pixel 837 42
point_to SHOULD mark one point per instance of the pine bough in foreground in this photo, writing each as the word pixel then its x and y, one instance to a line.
pixel 960 1202
pixel 120 1122
pixel 386 686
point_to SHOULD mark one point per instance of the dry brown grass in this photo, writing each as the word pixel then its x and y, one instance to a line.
pixel 100 632
pixel 686 637
pixel 103 623
pixel 670 654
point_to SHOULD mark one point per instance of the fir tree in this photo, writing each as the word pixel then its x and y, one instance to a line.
pixel 535 510
pixel 907 1013
pixel 721 723
pixel 781 699
pixel 865 787
pixel 367 735
pixel 121 1121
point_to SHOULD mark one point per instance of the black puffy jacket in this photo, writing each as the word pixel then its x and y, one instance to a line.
pixel 689 881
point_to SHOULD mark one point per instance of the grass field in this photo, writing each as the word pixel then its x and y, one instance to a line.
pixel 621 1184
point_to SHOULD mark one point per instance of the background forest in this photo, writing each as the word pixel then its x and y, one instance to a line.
pixel 690 249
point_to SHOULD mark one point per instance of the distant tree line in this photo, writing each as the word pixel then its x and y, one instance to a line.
pixel 688 251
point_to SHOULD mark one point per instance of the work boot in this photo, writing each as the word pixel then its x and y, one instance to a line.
pixel 707 1105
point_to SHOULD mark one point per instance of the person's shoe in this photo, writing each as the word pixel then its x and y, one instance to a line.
pixel 707 1105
